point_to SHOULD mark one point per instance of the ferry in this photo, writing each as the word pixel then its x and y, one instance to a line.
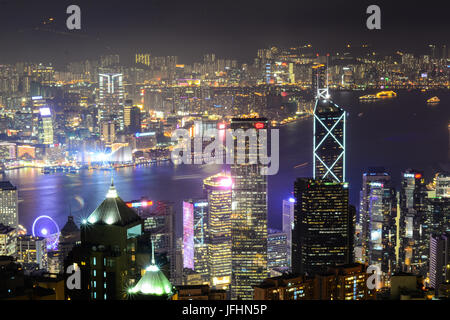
pixel 433 100
pixel 386 94
pixel 368 97
pixel 379 95
pixel 65 169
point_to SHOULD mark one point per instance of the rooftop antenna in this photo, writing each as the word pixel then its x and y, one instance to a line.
pixel 322 93
pixel 153 252
pixel 327 69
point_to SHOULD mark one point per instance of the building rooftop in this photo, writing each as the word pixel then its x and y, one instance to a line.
pixel 113 211
pixel 153 282
pixel 70 226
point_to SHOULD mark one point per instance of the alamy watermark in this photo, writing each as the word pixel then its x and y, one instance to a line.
pixel 74 279
pixel 229 146
pixel 73 21
pixel 374 20
pixel 374 280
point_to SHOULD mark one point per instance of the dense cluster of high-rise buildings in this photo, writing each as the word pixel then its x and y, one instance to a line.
pixel 99 114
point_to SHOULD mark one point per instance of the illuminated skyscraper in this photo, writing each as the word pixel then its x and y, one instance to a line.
pixel 323 231
pixel 277 250
pixel 443 185
pixel 47 125
pixel 288 225
pixel 31 252
pixel 200 208
pixel 318 79
pixel 9 207
pixel 110 96
pixel 188 235
pixel 378 214
pixel 143 58
pixel 218 191
pixel 414 237
pixel 328 139
pixel 108 132
pixel 131 117
pixel 248 220
pixel 159 222
pixel 7 240
pixel 439 264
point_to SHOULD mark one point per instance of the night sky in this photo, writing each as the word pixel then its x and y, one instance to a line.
pixel 231 29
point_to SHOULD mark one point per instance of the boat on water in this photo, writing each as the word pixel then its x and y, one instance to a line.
pixel 379 95
pixel 368 97
pixel 433 100
pixel 386 94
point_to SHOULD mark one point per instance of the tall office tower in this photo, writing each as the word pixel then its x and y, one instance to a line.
pixel 31 252
pixel 7 240
pixel 439 268
pixel 249 217
pixel 414 232
pixel 47 125
pixel 201 266
pixel 9 205
pixel 108 132
pixel 328 139
pixel 438 220
pixel 288 225
pixel 131 117
pixel 199 210
pixel 143 58
pixel 277 261
pixel 159 222
pixel 107 256
pixel 188 235
pixel 378 213
pixel 322 226
pixel 218 191
pixel 443 185
pixel 110 96
pixel 352 232
pixel 318 79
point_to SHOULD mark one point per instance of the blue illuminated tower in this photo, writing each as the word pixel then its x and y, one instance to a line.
pixel 329 138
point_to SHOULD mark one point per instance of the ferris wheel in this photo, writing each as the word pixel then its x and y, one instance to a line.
pixel 44 226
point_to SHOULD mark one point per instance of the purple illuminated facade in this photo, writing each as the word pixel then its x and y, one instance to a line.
pixel 188 235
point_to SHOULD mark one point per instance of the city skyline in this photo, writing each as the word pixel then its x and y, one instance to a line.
pixel 173 150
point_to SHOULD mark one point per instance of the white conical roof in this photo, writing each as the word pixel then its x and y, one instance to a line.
pixel 154 282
